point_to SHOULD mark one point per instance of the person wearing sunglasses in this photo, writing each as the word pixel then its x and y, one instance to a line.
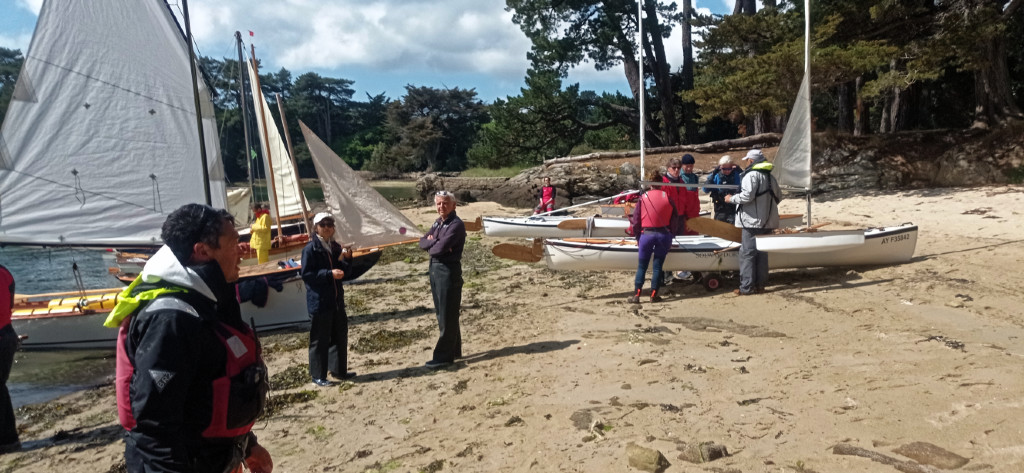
pixel 726 173
pixel 324 263
pixel 686 201
pixel 444 243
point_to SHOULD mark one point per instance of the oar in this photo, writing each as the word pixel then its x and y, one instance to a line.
pixel 474 225
pixel 723 230
pixel 516 252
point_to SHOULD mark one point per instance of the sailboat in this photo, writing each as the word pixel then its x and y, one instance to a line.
pixel 98 146
pixel 873 246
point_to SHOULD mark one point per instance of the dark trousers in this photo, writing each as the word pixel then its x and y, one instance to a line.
pixel 651 243
pixel 8 345
pixel 446 286
pixel 328 343
pixel 753 263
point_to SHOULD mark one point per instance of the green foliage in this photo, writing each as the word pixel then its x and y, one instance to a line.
pixel 10 64
pixel 429 130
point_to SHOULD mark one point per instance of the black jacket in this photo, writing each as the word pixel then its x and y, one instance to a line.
pixel 323 292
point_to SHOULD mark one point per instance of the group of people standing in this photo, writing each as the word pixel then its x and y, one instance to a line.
pixel 662 211
pixel 191 381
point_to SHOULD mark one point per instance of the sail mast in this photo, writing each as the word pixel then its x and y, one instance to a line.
pixel 807 77
pixel 266 139
pixel 195 94
pixel 244 115
pixel 640 85
pixel 295 166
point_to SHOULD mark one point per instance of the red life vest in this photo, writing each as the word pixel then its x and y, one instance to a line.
pixel 239 395
pixel 655 209
pixel 547 194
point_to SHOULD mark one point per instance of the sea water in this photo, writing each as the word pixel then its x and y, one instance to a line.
pixel 41 376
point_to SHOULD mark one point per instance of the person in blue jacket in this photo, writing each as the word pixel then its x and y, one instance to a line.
pixel 324 263
pixel 726 173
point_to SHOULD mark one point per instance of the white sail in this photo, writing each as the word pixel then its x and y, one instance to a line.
pixel 793 161
pixel 100 142
pixel 286 185
pixel 362 216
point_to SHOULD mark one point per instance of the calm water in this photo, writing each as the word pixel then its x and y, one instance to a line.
pixel 42 376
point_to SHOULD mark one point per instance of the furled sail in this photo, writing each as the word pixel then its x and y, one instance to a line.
pixel 286 185
pixel 362 216
pixel 100 143
pixel 793 161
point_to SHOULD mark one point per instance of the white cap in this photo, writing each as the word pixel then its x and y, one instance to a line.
pixel 320 216
pixel 725 160
pixel 754 155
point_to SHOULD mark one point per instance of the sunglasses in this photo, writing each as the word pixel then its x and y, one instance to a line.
pixel 443 194
pixel 673 167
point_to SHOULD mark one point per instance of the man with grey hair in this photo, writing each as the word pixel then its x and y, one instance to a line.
pixel 444 243
pixel 758 214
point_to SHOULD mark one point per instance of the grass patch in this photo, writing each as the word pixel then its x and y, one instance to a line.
pixel 278 402
pixel 319 433
pixel 290 378
pixel 387 340
pixel 488 172
pixel 410 254
pixel 390 465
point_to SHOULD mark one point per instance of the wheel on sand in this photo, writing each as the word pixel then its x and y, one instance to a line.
pixel 712 283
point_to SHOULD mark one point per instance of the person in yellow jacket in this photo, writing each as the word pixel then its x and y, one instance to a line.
pixel 260 240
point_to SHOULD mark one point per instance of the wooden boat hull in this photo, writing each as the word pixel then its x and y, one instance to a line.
pixel 881 246
pixel 62 325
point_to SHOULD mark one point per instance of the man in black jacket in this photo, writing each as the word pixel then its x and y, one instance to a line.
pixel 191 381
pixel 444 243
pixel 324 263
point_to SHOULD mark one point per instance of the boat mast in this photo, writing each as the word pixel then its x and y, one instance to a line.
pixel 266 138
pixel 295 166
pixel 195 96
pixel 640 85
pixel 807 74
pixel 245 121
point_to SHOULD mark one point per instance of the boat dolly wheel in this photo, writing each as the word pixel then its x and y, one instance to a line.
pixel 712 283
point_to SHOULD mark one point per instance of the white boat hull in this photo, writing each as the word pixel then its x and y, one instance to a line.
pixel 547 227
pixel 810 242
pixel 77 330
pixel 888 245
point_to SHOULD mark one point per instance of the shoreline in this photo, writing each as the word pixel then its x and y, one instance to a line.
pixel 561 374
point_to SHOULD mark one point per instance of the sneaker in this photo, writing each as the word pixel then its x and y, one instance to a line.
pixel 434 364
pixel 655 298
pixel 345 375
pixel 634 300
pixel 739 293
pixel 684 275
pixel 323 383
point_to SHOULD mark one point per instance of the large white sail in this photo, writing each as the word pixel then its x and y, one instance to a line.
pixel 100 142
pixel 286 185
pixel 362 216
pixel 793 161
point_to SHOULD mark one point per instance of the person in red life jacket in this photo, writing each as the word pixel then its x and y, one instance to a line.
pixel 685 199
pixel 547 198
pixel 9 441
pixel 324 263
pixel 651 225
pixel 190 380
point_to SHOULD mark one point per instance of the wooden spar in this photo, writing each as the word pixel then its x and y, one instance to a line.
pixel 24 298
pixel 371 249
pixel 195 97
pixel 295 169
pixel 266 137
pixel 586 203
pixel 715 228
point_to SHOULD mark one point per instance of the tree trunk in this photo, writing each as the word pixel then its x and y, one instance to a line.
pixel 746 7
pixel 883 125
pixel 761 122
pixel 844 108
pixel 994 101
pixel 689 108
pixel 861 113
pixel 662 78
pixel 769 3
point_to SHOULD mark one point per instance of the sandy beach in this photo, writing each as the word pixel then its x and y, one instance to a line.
pixel 916 365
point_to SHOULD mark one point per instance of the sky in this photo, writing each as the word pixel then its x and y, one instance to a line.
pixel 382 45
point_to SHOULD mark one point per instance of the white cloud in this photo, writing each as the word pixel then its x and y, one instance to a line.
pixel 31 5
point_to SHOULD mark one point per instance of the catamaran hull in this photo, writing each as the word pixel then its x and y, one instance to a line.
pixel 890 245
pixel 77 330
pixel 547 227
